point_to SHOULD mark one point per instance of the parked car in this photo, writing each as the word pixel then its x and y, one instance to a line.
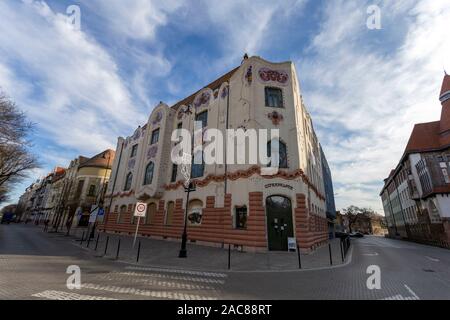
pixel 356 235
pixel 7 218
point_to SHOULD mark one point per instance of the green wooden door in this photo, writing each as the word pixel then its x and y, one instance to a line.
pixel 279 222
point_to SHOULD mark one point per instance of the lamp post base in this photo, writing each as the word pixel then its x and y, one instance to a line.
pixel 183 251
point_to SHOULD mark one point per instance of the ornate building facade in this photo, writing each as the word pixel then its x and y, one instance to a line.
pixel 416 195
pixel 232 203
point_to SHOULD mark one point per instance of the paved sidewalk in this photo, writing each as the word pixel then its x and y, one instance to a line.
pixel 164 253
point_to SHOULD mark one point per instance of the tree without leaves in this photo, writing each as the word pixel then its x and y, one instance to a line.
pixel 354 213
pixel 15 158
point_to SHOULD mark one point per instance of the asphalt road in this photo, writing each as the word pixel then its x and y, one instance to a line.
pixel 33 265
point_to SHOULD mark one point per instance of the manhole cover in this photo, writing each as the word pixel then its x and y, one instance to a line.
pixel 428 270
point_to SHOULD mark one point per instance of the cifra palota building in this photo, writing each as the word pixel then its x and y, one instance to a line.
pixel 233 203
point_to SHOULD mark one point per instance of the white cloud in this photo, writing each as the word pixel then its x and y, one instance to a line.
pixel 366 99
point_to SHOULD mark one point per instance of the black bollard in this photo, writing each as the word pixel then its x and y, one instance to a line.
pixel 331 257
pixel 299 257
pixel 342 251
pixel 118 250
pixel 229 256
pixel 139 251
pixel 96 242
pixel 88 240
pixel 82 239
pixel 106 245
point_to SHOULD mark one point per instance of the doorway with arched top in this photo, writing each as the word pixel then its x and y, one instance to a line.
pixel 279 222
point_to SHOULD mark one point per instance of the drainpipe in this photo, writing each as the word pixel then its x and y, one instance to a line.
pixel 114 185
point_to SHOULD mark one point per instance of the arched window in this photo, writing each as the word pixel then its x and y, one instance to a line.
pixel 169 214
pixel 128 181
pixel 282 151
pixel 122 213
pixel 151 212
pixel 148 178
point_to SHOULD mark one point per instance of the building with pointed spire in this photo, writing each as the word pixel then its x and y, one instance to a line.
pixel 416 195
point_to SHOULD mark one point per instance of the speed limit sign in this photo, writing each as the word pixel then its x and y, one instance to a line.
pixel 141 209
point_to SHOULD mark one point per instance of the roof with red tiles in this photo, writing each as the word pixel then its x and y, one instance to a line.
pixel 425 136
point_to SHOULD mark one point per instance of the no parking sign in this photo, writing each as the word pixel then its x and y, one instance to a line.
pixel 141 209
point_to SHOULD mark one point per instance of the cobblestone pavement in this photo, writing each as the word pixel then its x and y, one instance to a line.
pixel 33 266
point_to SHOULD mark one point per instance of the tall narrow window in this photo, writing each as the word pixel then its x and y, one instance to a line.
pixel 122 213
pixel 203 117
pixel 128 181
pixel 155 136
pixel 151 212
pixel 91 192
pixel 283 162
pixel 148 178
pixel 274 97
pixel 173 178
pixel 241 217
pixel 169 214
pixel 134 151
pixel 198 167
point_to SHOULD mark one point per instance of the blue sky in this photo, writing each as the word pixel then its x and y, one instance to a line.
pixel 364 88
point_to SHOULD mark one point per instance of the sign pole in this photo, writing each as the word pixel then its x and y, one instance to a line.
pixel 135 234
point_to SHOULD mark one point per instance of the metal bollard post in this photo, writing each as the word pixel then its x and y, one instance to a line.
pixel 139 251
pixel 106 245
pixel 118 250
pixel 342 251
pixel 229 256
pixel 82 239
pixel 299 258
pixel 96 242
pixel 88 240
pixel 331 257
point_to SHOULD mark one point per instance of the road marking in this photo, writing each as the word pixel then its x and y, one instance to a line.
pixel 62 295
pixel 412 292
pixel 432 259
pixel 198 273
pixel 167 284
pixel 166 276
pixel 400 297
pixel 147 293
pixel 371 254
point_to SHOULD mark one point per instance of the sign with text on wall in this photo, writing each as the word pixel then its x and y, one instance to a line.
pixel 140 210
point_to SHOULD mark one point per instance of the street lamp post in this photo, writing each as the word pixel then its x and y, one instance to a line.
pixel 183 251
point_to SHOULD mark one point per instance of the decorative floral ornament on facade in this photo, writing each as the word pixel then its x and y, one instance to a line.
pixel 152 151
pixel 158 117
pixel 216 94
pixel 202 98
pixel 224 92
pixel 249 75
pixel 266 75
pixel 275 117
pixel 131 164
